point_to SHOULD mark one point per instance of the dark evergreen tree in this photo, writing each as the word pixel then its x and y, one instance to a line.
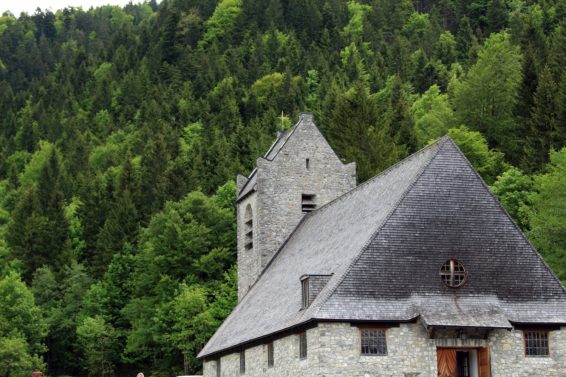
pixel 122 223
pixel 110 116
pixel 357 133
pixel 544 130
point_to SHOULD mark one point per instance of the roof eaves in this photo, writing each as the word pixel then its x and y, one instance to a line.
pixel 285 330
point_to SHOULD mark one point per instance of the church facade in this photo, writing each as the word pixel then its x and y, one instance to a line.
pixel 417 272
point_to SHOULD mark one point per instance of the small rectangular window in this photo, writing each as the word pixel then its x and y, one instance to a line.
pixel 373 342
pixel 303 345
pixel 307 163
pixel 305 292
pixel 243 362
pixel 536 343
pixel 308 203
pixel 270 355
pixel 218 368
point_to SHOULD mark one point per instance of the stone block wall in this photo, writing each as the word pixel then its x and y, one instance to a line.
pixel 334 350
pixel 249 262
pixel 278 196
pixel 409 351
pixel 281 183
pixel 508 355
pixel 286 359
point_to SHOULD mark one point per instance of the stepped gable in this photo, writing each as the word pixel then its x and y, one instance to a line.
pixel 384 244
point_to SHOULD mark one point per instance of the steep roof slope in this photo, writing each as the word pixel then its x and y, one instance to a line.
pixel 385 241
pixel 449 213
pixel 325 242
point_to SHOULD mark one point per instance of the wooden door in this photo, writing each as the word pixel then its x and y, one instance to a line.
pixel 447 364
pixel 484 362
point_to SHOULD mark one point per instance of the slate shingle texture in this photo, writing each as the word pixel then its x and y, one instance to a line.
pixel 385 242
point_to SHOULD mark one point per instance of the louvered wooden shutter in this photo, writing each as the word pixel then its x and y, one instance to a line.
pixel 446 362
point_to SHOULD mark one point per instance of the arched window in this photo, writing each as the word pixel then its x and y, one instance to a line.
pixel 248 228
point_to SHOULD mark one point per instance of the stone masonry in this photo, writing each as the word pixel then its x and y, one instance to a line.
pixel 334 350
pixel 276 201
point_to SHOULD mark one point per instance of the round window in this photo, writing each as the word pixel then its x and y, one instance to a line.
pixel 453 273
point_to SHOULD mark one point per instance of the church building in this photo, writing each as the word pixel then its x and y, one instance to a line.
pixel 418 271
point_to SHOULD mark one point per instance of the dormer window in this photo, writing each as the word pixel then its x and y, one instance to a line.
pixel 305 292
pixel 308 202
pixel 248 228
pixel 311 285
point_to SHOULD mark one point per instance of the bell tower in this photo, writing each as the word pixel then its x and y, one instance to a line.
pixel 297 175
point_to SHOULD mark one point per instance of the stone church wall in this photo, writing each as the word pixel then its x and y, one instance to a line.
pixel 334 350
pixel 508 355
pixel 286 359
pixel 281 183
pixel 278 197
pixel 249 263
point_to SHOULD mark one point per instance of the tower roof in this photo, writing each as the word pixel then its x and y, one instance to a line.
pixel 273 151
pixel 384 244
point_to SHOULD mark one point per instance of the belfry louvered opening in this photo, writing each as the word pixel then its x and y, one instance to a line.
pixel 308 202
pixel 248 228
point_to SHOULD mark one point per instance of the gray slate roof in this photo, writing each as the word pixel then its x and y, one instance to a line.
pixel 384 243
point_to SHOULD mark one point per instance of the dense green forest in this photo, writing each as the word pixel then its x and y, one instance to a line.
pixel 121 130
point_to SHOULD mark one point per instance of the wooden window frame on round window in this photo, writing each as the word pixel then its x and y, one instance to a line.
pixel 453 273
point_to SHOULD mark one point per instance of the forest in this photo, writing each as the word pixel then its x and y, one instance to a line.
pixel 122 130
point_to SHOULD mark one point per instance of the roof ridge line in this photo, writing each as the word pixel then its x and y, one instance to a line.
pixel 440 142
pixel 292 131
pixel 320 209
pixel 382 173
pixel 498 203
pixel 254 171
pixel 341 197
pixel 249 177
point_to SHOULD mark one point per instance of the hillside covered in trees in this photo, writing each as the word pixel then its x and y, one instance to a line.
pixel 122 129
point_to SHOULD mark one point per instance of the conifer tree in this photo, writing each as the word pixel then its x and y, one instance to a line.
pixel 355 121
pixel 122 224
pixel 547 216
pixel 557 53
pixel 486 98
pixel 561 109
pixel 38 232
pixel 497 16
pixel 544 129
pixel 153 179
